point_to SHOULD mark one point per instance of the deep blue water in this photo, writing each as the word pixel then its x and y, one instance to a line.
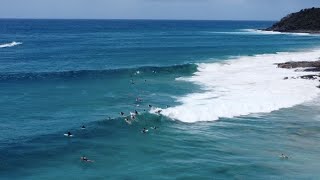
pixel 69 73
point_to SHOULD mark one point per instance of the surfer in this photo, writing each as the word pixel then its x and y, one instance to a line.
pixel 144 131
pixel 150 106
pixel 121 113
pixel 68 134
pixel 136 112
pixel 85 159
pixel 83 127
pixel 159 111
pixel 284 156
pixel 127 120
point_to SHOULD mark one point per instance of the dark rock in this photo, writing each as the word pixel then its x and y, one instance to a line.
pixel 314 65
pixel 311 77
pixel 313 69
pixel 304 21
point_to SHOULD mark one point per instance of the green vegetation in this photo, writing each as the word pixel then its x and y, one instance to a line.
pixel 307 20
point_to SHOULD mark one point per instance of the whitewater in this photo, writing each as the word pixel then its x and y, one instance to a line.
pixel 262 32
pixel 245 85
pixel 10 44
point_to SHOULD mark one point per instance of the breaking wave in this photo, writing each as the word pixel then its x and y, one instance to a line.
pixel 245 85
pixel 10 44
pixel 262 32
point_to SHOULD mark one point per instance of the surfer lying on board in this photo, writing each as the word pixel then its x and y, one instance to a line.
pixel 69 133
pixel 127 121
pixel 144 130
pixel 284 156
pixel 85 159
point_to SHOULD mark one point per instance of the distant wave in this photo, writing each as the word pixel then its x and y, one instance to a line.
pixel 245 85
pixel 261 32
pixel 256 31
pixel 10 44
pixel 185 69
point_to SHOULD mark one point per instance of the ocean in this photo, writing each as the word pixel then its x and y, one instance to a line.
pixel 221 107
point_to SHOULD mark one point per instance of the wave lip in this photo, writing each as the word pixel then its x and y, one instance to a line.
pixel 184 69
pixel 257 31
pixel 243 86
pixel 13 43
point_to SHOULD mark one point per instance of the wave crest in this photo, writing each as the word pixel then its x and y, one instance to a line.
pixel 13 43
pixel 184 69
pixel 262 32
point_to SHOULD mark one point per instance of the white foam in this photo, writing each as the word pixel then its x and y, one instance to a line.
pixel 245 85
pixel 256 31
pixel 10 44
pixel 261 32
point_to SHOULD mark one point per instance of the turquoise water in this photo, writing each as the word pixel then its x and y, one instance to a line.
pixel 69 73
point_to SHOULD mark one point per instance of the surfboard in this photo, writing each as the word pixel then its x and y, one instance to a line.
pixel 145 131
pixel 68 135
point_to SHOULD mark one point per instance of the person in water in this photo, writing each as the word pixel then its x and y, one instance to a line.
pixel 83 127
pixel 144 130
pixel 136 112
pixel 121 113
pixel 150 106
pixel 85 159
pixel 284 156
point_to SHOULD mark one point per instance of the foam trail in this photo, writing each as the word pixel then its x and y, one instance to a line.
pixel 245 85
pixel 256 31
pixel 10 44
pixel 261 32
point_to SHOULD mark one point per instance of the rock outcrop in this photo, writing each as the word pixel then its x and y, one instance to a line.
pixel 304 21
pixel 310 66
pixel 299 64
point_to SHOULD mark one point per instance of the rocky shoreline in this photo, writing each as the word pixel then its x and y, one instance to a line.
pixel 305 66
pixel 304 21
